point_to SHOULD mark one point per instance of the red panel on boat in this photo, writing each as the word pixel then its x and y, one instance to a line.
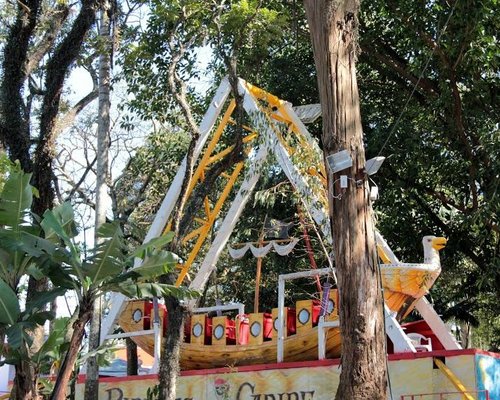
pixel 148 310
pixel 268 326
pixel 244 329
pixel 316 310
pixel 208 330
pixel 230 332
pixel 291 321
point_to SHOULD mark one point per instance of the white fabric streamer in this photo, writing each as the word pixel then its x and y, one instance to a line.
pixel 282 250
pixel 238 253
pixel 261 251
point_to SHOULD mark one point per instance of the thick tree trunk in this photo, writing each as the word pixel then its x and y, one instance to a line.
pixel 169 366
pixel 61 384
pixel 103 143
pixel 333 26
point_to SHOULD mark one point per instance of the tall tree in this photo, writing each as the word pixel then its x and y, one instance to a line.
pixel 25 54
pixel 334 27
pixel 101 203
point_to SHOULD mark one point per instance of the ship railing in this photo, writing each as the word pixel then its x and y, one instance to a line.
pixel 223 307
pixel 323 326
pixel 281 303
pixel 470 394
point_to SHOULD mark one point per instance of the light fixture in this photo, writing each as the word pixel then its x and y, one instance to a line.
pixel 373 164
pixel 339 161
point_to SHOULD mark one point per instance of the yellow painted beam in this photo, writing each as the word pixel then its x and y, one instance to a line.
pixel 383 256
pixel 200 171
pixel 263 95
pixel 205 230
pixel 453 379
pixel 193 234
pixel 226 151
pixel 211 146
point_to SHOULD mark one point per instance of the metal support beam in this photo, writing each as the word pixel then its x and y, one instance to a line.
pixel 323 326
pixel 234 306
pixel 401 342
pixel 436 324
pixel 281 302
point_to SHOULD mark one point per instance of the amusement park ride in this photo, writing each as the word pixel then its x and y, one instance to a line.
pixel 309 329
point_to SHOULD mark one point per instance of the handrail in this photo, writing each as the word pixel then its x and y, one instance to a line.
pixel 234 306
pixel 445 395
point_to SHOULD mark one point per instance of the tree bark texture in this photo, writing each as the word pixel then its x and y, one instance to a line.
pixel 169 366
pixel 57 67
pixel 103 143
pixel 61 384
pixel 23 387
pixel 333 27
pixel 14 123
pixel 132 359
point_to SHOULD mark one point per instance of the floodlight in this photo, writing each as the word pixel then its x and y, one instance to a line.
pixel 373 164
pixel 339 161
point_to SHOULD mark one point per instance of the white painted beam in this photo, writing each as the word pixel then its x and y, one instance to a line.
pixel 401 342
pixel 436 324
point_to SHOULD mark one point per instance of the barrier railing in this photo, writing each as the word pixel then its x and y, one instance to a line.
pixel 477 394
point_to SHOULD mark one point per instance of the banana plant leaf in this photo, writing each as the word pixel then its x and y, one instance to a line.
pixel 109 256
pixel 159 263
pixel 58 224
pixel 16 198
pixel 9 305
pixel 143 290
pixel 41 299
pixel 155 243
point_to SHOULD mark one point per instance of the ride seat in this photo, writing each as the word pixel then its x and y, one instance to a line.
pixel 420 342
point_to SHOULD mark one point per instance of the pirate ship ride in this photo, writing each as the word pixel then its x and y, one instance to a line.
pixel 248 339
pixel 308 329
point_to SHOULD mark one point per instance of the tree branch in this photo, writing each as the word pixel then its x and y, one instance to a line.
pixel 54 20
pixel 57 67
pixel 14 127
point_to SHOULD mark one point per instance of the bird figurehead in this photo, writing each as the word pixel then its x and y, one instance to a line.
pixel 432 245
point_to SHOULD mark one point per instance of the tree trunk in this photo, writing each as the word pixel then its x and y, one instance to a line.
pixel 61 384
pixel 132 359
pixel 24 385
pixel 169 366
pixel 103 143
pixel 333 26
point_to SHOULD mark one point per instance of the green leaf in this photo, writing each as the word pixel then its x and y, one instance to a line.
pixel 108 259
pixel 34 271
pixel 41 299
pixel 15 199
pixel 156 264
pixel 155 243
pixel 9 304
pixel 40 317
pixel 60 223
pixel 17 335
pixel 142 290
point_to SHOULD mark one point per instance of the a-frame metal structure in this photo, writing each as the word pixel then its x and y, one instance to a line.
pixel 271 119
